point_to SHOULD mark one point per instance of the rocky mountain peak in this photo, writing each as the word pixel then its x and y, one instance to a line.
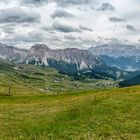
pixel 40 54
pixel 38 47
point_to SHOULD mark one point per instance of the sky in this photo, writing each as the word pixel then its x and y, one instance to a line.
pixel 69 23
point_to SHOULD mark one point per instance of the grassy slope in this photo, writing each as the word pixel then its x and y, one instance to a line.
pixel 32 80
pixel 99 114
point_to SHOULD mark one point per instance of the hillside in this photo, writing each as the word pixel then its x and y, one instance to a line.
pixel 98 114
pixel 130 82
pixel 30 80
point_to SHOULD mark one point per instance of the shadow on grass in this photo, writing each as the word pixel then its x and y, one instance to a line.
pixel 5 95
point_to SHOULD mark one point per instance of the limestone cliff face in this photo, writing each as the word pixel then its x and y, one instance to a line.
pixel 42 55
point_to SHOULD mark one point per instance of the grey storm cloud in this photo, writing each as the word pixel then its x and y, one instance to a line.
pixel 82 42
pixel 34 2
pixel 61 13
pixel 22 38
pixel 66 28
pixel 71 2
pixel 8 29
pixel 131 28
pixel 71 37
pixel 61 3
pixel 116 19
pixel 18 15
pixel 82 27
pixel 5 1
pixel 46 28
pixel 106 7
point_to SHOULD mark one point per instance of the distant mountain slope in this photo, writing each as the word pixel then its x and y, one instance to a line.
pixel 116 50
pixel 125 57
pixel 128 63
pixel 10 53
pixel 130 82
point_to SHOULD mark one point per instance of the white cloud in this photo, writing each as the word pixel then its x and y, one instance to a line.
pixel 63 21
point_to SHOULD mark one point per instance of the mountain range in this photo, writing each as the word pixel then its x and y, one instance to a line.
pixel 101 62
pixel 125 57
pixel 68 60
pixel 10 53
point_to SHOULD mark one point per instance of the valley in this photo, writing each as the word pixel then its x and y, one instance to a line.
pixel 78 63
pixel 69 70
pixel 32 80
pixel 65 100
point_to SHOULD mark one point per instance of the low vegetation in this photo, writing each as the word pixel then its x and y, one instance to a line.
pixel 32 80
pixel 45 104
pixel 98 114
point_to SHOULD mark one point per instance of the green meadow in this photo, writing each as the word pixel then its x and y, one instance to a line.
pixel 98 114
pixel 45 105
